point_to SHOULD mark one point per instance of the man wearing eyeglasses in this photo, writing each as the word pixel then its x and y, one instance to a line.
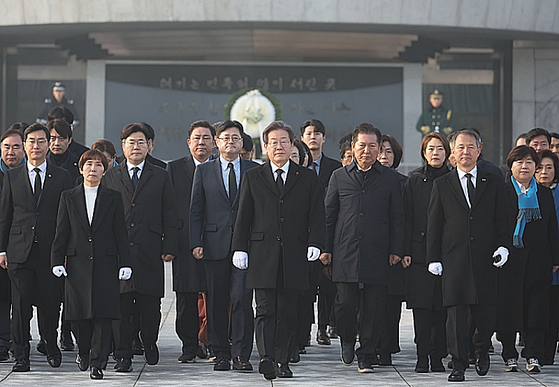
pixel 188 275
pixel 28 211
pixel 280 227
pixel 151 219
pixel 213 211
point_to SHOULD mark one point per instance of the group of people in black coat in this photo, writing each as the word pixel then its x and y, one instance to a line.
pixel 451 240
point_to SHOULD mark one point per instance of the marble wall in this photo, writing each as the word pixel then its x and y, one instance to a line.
pixel 535 87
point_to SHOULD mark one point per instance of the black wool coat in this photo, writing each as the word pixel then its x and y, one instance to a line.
pixel 464 239
pixel 93 253
pixel 151 221
pixel 364 223
pixel 188 272
pixel 525 279
pixel 276 228
pixel 423 290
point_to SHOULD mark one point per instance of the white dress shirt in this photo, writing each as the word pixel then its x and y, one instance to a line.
pixel 32 174
pixel 285 169
pixel 131 168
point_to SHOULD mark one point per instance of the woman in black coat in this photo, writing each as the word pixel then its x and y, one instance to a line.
pixel 423 290
pixel 90 248
pixel 390 156
pixel 523 285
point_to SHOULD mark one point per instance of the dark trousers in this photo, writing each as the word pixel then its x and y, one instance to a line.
pixel 373 299
pixel 457 336
pixel 94 340
pixel 430 333
pixel 5 323
pixel 150 317
pixel 187 323
pixel 276 322
pixel 390 340
pixel 305 316
pixel 227 284
pixel 326 297
pixel 34 284
pixel 550 344
pixel 533 343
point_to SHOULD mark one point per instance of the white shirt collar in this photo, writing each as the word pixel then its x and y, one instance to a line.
pixel 285 169
pixel 42 167
pixel 225 163
pixel 130 166
pixel 461 173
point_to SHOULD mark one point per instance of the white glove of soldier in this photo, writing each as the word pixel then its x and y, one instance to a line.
pixel 59 271
pixel 436 268
pixel 240 260
pixel 124 273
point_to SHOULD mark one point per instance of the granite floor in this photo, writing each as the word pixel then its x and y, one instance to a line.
pixel 321 366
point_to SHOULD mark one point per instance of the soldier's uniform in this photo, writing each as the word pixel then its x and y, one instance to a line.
pixel 436 119
pixel 51 102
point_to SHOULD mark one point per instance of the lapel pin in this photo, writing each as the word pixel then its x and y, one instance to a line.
pixel 483 179
pixel 297 172
pixel 50 175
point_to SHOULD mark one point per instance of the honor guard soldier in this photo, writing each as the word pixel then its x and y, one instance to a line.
pixel 436 118
pixel 57 99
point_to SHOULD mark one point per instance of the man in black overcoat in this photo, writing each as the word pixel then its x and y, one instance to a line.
pixel 365 231
pixel 151 219
pixel 280 226
pixel 313 133
pixel 213 210
pixel 188 272
pixel 468 234
pixel 28 211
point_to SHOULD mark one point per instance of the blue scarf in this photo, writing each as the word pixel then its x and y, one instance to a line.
pixel 528 210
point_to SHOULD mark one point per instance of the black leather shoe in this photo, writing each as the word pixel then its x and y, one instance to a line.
pixel 422 365
pixel 222 364
pixel 332 332
pixel 21 365
pixel 123 364
pixel 151 354
pixel 4 353
pixel 83 362
pixel 42 347
pixel 295 357
pixel 241 363
pixel 283 371
pixel 482 364
pixel 348 353
pixel 202 352
pixel 137 347
pixel 96 373
pixel 364 366
pixel 322 337
pixel 437 365
pixel 55 360
pixel 456 376
pixel 267 368
pixel 67 344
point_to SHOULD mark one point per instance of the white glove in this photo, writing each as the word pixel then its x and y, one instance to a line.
pixel 312 253
pixel 59 271
pixel 240 260
pixel 504 253
pixel 435 268
pixel 124 273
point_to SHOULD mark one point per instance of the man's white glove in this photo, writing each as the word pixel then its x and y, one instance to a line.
pixel 59 271
pixel 312 254
pixel 124 273
pixel 435 268
pixel 240 260
pixel 504 253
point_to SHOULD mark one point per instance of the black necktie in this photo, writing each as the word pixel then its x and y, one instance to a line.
pixel 37 185
pixel 232 182
pixel 471 189
pixel 279 181
pixel 135 176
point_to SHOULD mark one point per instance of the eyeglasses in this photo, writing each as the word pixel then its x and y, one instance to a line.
pixel 132 143
pixel 41 141
pixel 282 143
pixel 229 139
